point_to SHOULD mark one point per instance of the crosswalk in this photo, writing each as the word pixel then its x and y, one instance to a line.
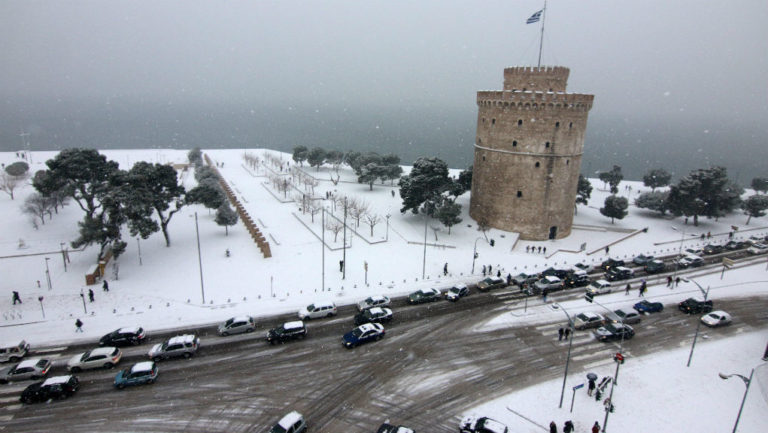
pixel 10 393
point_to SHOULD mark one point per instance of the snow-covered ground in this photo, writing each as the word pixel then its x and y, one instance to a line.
pixel 160 288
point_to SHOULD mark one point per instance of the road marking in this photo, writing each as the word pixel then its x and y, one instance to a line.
pixel 48 350
pixel 6 418
pixel 13 407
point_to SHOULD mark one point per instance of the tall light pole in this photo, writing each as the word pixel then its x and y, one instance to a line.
pixel 199 259
pixel 387 237
pixel 63 256
pixel 679 251
pixel 698 324
pixel 138 244
pixel 344 238
pixel 618 363
pixel 474 253
pixel 48 273
pixel 570 344
pixel 424 258
pixel 747 382
pixel 322 245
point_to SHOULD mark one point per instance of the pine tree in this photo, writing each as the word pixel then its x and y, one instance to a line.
pixel 225 216
pixel 755 206
pixel 583 192
pixel 300 154
pixel 448 214
pixel 656 178
pixel 656 201
pixel 424 185
pixel 615 207
pixel 760 184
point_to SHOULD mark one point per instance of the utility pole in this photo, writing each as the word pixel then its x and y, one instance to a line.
pixel 344 253
pixel 322 245
pixel 199 259
pixel 63 256
pixel 48 273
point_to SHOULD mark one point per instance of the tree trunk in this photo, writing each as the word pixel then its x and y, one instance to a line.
pixel 164 227
pixel 226 230
pixel 696 220
pixel 370 185
pixel 748 219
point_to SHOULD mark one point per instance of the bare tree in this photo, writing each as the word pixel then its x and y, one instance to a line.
pixel 336 179
pixel 372 220
pixel 483 226
pixel 358 209
pixel 314 208
pixel 312 182
pixel 335 227
pixel 36 205
pixel 9 183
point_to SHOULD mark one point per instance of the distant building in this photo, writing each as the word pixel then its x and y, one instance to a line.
pixel 528 148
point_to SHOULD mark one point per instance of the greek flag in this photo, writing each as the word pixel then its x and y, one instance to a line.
pixel 535 17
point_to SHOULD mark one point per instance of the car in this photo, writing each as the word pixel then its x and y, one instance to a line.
pixel 559 273
pixel 373 301
pixel 318 310
pixel 14 352
pixel 28 369
pixel 576 279
pixel 180 345
pixel 642 259
pixel 648 307
pixel 757 248
pixel 611 263
pixel 237 325
pixel 619 273
pixel 710 249
pixel 388 428
pixel 51 388
pixel 695 306
pixel 295 330
pixel 716 318
pixel 363 334
pixel 693 251
pixel 754 239
pixel 688 261
pixel 482 424
pixel 654 267
pixel 628 316
pixel 457 292
pixel 599 287
pixel 490 283
pixel 141 373
pixel 583 267
pixel 735 245
pixel 614 331
pixel 131 336
pixel 523 279
pixel 293 422
pixel 587 320
pixel 424 295
pixel 106 357
pixel 374 315
pixel 550 283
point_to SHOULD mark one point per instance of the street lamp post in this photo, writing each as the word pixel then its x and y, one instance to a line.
pixel 40 298
pixel 570 344
pixel 747 382
pixel 199 259
pixel 618 364
pixel 387 236
pixel 679 252
pixel 63 256
pixel 698 325
pixel 82 296
pixel 48 273
pixel 474 253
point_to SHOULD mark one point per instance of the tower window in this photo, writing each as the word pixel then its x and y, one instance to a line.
pixel 519 193
pixel 538 164
pixel 493 121
pixel 570 125
pixel 567 162
pixel 483 119
pixel 483 157
pixel 519 122
pixel 514 143
pixel 557 124
pixel 547 145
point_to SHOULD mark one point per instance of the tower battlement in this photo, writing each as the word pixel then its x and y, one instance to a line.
pixel 541 78
pixel 535 100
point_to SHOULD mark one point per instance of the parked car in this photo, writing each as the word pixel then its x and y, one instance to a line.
pixel 614 331
pixel 141 373
pixel 387 428
pixel 754 239
pixel 642 259
pixel 654 267
pixel 290 423
pixel 373 301
pixel 523 279
pixel 456 292
pixel 735 245
pixel 693 251
pixel 295 330
pixel 628 316
pixel 619 273
pixel 648 307
pixel 550 283
pixel 363 334
pixel 576 279
pixel 559 273
pixel 374 315
pixel 587 320
pixel 130 336
pixel 688 261
pixel 14 352
pixel 424 295
pixel 716 318
pixel 611 263
pixel 28 369
pixel 237 325
pixel 490 283
pixel 106 357
pixel 180 345
pixel 318 310
pixel 483 424
pixel 51 388
pixel 695 306
pixel 599 287
pixel 583 267
pixel 757 248
pixel 710 249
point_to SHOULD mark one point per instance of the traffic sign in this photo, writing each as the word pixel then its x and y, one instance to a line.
pixel 728 263
pixel 579 386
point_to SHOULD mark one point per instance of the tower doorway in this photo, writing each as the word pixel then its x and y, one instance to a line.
pixel 552 232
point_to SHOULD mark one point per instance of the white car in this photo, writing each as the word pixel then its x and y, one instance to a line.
pixel 716 318
pixel 757 248
pixel 599 287
pixel 483 424
pixel 373 301
pixel 583 267
pixel 318 310
pixel 106 357
pixel 588 320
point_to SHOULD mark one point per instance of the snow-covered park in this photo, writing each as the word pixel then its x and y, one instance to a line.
pixel 163 288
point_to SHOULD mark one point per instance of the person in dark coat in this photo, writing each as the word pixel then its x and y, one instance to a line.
pixel 677 281
pixel 105 286
pixel 498 273
pixel 567 333
pixel 552 427
pixel 596 428
pixel 591 387
pixel 16 297
pixel 445 269
pixel 606 250
pixel 560 333
pixel 568 427
pixel 669 281
pixel 509 279
pixel 626 291
pixel 545 250
pixel 78 325
pixel 90 295
pixel 484 270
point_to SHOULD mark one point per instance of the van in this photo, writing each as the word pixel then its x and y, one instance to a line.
pixel 14 352
pixel 318 310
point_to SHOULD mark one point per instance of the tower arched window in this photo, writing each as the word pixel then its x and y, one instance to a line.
pixel 483 157
pixel 519 193
pixel 547 145
pixel 557 124
pixel 570 125
pixel 519 122
pixel 493 121
pixel 538 164
pixel 567 162
pixel 514 143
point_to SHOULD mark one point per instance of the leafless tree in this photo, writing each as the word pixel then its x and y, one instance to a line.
pixel 483 226
pixel 358 208
pixel 336 179
pixel 312 183
pixel 314 208
pixel 372 220
pixel 335 227
pixel 36 205
pixel 9 183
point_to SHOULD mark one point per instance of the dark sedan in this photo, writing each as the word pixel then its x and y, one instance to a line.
pixel 611 263
pixel 363 334
pixel 695 306
pixel 374 315
pixel 54 387
pixel 648 307
pixel 124 337
pixel 614 331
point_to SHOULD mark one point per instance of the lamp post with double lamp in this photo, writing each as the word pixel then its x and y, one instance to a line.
pixel 747 382
pixel 474 253
pixel 570 344
pixel 698 325
pixel 679 251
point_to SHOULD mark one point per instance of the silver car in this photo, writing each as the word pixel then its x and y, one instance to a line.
pixel 237 325
pixel 106 357
pixel 181 345
pixel 29 369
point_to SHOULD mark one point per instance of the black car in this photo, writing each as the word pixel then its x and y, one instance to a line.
pixel 124 337
pixel 287 331
pixel 388 428
pixel 576 280
pixel 523 279
pixel 53 387
pixel 735 245
pixel 373 315
pixel 619 273
pixel 642 259
pixel 611 263
pixel 695 306
pixel 713 249
pixel 559 273
pixel 614 331
pixel 654 267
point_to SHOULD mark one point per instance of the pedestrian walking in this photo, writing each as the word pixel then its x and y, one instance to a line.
pixel 445 269
pixel 591 387
pixel 527 248
pixel 677 281
pixel 341 265
pixel 669 281
pixel 567 333
pixel 560 333
pixel 484 270
pixel 490 270
pixel 568 427
pixel 90 295
pixel 709 235
pixel 644 285
pixel 545 250
pixel 498 273
pixel 38 284
pixel 596 428
pixel 78 325
pixel 16 297
pixel 641 292
pixel 765 355
pixel 552 427
pixel 544 295
pixel 105 286
pixel 730 235
pixel 509 279
pixel 606 250
pixel 626 291
pixel 539 250
pixel 393 192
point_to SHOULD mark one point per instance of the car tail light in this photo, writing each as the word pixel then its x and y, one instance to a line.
pixel 45 370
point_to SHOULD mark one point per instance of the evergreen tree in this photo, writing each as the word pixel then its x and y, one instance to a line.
pixel 612 178
pixel 195 156
pixel 351 158
pixel 424 185
pixel 300 154
pixel 205 172
pixel 615 207
pixel 208 192
pixel 226 217
pixel 704 192
pixel 655 201
pixel 448 214
pixel 583 192
pixel 463 182
pixel 755 206
pixel 17 169
pixel 657 178
pixel 368 173
pixel 760 184
pixel 335 158
pixel 316 157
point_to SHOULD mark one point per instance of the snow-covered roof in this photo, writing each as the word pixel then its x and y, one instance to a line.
pixel 142 366
pixel 28 363
pixel 102 351
pixel 376 310
pixel 180 339
pixel 290 419
pixel 55 380
pixel 293 325
pixel 130 330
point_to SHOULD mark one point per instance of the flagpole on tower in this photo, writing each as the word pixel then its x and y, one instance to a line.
pixel 541 40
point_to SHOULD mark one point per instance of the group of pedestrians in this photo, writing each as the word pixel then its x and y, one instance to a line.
pixel 569 428
pixel 670 280
pixel 563 333
pixel 534 249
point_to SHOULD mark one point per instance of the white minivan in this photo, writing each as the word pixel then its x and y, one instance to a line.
pixel 318 310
